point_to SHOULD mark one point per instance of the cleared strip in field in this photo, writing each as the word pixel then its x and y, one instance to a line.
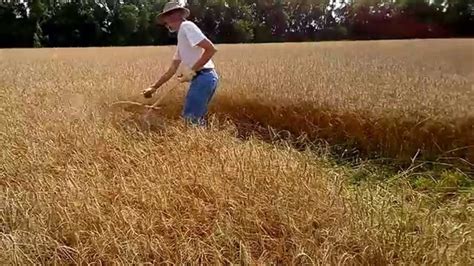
pixel 393 137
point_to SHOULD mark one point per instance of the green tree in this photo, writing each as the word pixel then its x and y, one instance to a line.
pixel 78 24
pixel 460 17
pixel 132 22
pixel 124 24
pixel 37 10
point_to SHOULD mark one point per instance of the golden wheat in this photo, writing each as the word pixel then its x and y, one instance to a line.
pixel 85 183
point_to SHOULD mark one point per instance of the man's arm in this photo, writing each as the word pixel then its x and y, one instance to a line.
pixel 148 92
pixel 168 74
pixel 209 51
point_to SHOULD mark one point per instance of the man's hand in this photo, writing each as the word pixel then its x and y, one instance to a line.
pixel 148 92
pixel 186 75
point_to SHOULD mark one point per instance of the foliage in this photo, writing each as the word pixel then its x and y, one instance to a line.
pixel 132 22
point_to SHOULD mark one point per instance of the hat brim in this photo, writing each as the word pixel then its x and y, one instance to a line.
pixel 167 12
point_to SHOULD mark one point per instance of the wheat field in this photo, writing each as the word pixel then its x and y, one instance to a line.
pixel 82 182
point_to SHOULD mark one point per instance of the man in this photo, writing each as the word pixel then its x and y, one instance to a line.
pixel 194 51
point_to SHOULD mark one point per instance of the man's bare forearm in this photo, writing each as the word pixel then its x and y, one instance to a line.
pixel 206 56
pixel 209 51
pixel 163 79
pixel 167 75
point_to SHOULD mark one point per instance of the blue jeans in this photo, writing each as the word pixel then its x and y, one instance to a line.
pixel 200 93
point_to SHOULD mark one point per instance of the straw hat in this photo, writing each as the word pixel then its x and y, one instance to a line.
pixel 171 6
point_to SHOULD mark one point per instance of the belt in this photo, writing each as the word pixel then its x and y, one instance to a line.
pixel 204 70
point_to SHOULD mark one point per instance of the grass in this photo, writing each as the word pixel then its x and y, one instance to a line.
pixel 83 183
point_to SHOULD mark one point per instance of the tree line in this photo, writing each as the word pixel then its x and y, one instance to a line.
pixel 65 23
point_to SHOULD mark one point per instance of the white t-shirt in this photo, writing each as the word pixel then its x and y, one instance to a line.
pixel 189 35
